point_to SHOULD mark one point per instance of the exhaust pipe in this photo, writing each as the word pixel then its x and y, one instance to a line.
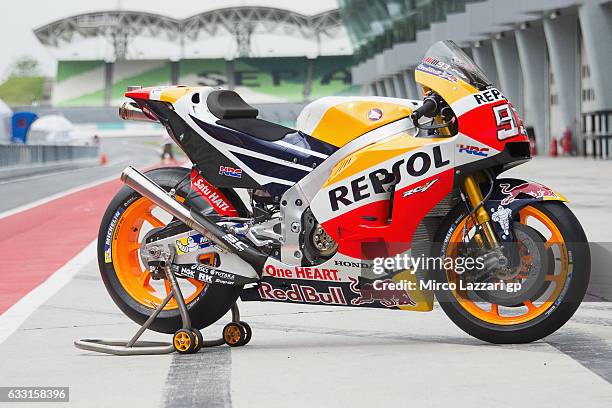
pixel 147 188
pixel 131 111
pixel 194 220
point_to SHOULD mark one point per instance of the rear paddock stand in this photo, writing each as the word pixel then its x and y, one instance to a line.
pixel 185 341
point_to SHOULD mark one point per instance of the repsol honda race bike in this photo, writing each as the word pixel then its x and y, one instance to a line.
pixel 270 213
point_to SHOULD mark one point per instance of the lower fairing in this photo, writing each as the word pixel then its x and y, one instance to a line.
pixel 355 292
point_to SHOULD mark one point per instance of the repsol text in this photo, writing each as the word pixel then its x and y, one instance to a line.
pixel 417 165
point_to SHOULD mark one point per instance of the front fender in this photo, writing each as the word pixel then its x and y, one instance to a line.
pixel 509 195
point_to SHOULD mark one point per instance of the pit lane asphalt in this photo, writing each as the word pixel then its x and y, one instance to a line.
pixel 331 356
pixel 121 152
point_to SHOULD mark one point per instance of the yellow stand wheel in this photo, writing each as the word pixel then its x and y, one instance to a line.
pixel 199 340
pixel 185 341
pixel 249 332
pixel 234 334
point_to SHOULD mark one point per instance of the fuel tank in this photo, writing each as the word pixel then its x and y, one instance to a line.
pixel 337 120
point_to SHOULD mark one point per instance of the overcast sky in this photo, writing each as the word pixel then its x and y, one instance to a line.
pixel 20 17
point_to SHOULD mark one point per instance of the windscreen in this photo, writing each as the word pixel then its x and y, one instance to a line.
pixel 448 57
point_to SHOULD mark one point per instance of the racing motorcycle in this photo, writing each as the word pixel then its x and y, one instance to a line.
pixel 305 215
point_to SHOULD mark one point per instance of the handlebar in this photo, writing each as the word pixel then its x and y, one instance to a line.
pixel 429 108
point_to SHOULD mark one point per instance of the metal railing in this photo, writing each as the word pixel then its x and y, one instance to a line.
pixel 19 155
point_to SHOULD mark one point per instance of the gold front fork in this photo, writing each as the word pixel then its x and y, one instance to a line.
pixel 472 190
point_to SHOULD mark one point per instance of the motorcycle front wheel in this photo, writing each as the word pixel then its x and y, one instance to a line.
pixel 560 269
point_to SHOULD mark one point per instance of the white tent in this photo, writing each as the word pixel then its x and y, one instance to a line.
pixel 5 122
pixel 56 129
pixel 51 129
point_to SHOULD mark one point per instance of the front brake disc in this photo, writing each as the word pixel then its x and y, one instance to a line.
pixel 530 273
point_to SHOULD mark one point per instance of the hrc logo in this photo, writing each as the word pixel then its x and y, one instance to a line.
pixel 230 172
pixel 475 150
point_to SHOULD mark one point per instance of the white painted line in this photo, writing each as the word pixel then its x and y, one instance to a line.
pixel 20 311
pixel 55 196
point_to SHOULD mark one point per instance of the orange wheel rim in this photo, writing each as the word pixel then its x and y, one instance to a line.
pixel 135 279
pixel 182 341
pixel 232 334
pixel 493 314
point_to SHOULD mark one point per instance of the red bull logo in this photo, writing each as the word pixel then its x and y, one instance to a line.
pixel 534 190
pixel 387 297
pixel 302 294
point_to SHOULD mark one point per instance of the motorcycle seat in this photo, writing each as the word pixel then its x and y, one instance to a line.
pixel 233 112
pixel 226 104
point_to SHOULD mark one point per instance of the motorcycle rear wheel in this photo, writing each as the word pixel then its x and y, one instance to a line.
pixel 534 318
pixel 128 218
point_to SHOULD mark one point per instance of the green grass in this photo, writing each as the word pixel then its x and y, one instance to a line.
pixel 17 91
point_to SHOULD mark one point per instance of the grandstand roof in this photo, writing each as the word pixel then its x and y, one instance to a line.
pixel 120 26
